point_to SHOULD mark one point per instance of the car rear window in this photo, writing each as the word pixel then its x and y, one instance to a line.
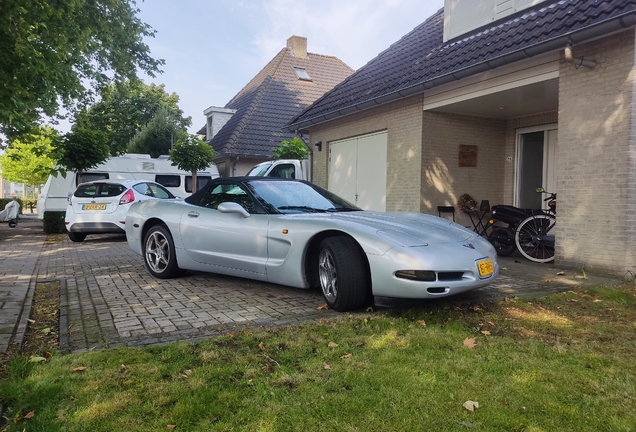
pixel 99 190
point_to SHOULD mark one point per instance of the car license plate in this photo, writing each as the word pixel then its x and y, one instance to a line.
pixel 485 268
pixel 93 206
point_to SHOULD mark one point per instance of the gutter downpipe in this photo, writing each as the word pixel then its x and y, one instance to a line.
pixel 598 30
pixel 234 166
pixel 577 62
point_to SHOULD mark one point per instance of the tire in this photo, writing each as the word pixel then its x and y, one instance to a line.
pixel 343 274
pixel 503 239
pixel 159 253
pixel 531 238
pixel 77 237
pixel 13 223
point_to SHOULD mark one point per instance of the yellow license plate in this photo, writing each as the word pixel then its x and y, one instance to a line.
pixel 485 268
pixel 93 206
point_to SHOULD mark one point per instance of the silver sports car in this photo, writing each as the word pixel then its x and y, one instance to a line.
pixel 294 233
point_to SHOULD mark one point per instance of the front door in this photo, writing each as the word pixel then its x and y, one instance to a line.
pixel 536 165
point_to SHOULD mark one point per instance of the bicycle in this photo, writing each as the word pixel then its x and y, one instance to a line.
pixel 529 231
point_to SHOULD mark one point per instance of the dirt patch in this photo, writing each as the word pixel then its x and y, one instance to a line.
pixel 42 335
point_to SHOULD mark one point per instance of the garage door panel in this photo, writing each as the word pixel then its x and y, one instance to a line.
pixel 371 179
pixel 357 170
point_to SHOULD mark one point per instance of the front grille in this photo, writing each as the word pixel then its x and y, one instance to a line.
pixel 450 276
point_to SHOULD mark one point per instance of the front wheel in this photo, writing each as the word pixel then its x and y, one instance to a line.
pixel 159 253
pixel 344 278
pixel 533 238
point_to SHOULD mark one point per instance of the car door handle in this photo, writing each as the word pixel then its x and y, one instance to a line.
pixel 193 215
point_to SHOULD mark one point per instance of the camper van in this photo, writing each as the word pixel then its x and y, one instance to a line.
pixel 130 166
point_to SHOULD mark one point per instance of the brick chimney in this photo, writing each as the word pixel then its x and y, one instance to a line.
pixel 298 46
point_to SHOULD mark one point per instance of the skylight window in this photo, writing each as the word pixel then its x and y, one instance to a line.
pixel 302 74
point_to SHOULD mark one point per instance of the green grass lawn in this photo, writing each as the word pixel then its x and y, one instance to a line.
pixel 560 363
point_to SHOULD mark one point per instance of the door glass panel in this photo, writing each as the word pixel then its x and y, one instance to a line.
pixel 530 169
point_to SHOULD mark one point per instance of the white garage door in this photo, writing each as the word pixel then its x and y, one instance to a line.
pixel 357 170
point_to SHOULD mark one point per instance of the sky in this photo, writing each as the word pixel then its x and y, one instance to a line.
pixel 212 48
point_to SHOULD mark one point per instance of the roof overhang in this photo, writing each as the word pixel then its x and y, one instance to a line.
pixel 602 29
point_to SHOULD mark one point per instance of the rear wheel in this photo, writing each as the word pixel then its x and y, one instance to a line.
pixel 533 239
pixel 76 237
pixel 159 253
pixel 503 239
pixel 343 275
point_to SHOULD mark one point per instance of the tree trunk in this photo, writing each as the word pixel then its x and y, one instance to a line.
pixel 194 181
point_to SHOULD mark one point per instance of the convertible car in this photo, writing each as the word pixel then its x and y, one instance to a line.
pixel 294 233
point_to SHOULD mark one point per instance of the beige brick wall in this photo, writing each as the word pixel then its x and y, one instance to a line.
pixel 403 122
pixel 596 157
pixel 443 181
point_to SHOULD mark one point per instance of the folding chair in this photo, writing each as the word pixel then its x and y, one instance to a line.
pixel 445 210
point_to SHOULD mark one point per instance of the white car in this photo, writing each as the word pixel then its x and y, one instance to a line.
pixel 100 206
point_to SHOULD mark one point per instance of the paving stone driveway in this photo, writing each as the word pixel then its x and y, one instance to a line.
pixel 108 298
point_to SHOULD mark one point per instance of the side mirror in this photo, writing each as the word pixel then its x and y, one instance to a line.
pixel 230 207
pixel 539 190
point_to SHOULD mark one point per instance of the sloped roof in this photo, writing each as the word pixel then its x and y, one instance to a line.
pixel 272 98
pixel 421 60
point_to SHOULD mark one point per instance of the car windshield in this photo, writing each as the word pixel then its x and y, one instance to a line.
pixel 259 170
pixel 297 197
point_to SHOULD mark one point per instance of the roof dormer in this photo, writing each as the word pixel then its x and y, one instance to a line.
pixel 464 16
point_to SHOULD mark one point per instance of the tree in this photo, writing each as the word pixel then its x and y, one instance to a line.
pixel 135 115
pixel 294 149
pixel 191 154
pixel 52 50
pixel 30 160
pixel 157 136
pixel 80 150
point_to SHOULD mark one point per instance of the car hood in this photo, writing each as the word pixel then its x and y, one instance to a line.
pixel 406 229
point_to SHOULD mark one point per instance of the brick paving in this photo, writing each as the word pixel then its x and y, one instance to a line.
pixel 19 251
pixel 108 299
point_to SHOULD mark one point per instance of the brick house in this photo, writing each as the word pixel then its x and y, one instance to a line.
pixel 495 98
pixel 244 132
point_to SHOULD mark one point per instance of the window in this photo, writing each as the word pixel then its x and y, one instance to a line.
pixel 201 181
pixel 89 177
pixel 302 74
pixel 286 171
pixel 228 192
pixel 168 180
pixel 99 190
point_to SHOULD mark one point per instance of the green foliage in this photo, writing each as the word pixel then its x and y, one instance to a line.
pixel 536 366
pixel 55 54
pixel 136 118
pixel 190 153
pixel 294 149
pixel 82 149
pixel 30 160
pixel 53 222
pixel 157 136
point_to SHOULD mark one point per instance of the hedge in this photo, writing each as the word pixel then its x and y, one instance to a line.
pixel 54 222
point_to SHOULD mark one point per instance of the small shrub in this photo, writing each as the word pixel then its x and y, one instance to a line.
pixel 54 222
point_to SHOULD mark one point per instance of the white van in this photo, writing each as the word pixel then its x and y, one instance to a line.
pixel 129 166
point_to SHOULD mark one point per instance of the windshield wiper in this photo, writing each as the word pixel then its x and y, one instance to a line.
pixel 342 209
pixel 301 208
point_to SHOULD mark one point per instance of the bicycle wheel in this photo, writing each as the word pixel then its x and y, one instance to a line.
pixel 533 239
